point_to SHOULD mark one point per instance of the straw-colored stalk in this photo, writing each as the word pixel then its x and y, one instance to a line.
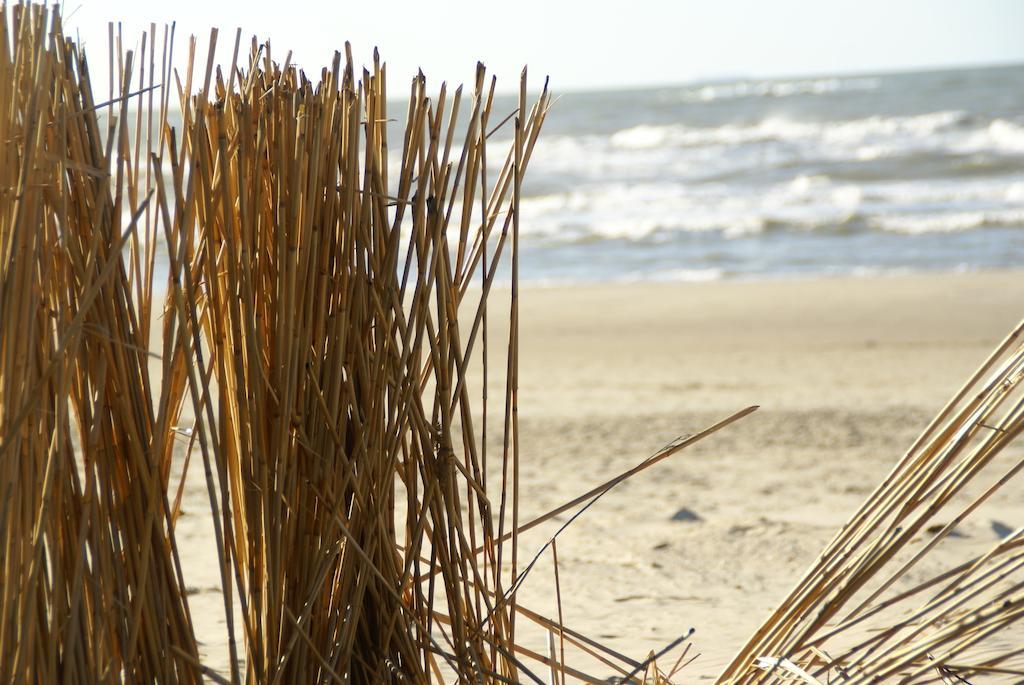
pixel 312 322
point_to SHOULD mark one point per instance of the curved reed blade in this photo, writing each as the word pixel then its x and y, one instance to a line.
pixel 872 608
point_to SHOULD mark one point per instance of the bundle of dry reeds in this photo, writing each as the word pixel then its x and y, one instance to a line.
pixel 326 297
pixel 321 292
pixel 321 320
pixel 90 585
pixel 863 613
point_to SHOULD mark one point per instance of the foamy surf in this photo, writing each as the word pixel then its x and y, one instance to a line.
pixel 774 178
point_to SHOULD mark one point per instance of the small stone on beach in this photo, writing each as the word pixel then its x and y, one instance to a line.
pixel 687 515
pixel 1001 529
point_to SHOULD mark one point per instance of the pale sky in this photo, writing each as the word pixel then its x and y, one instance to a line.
pixel 591 45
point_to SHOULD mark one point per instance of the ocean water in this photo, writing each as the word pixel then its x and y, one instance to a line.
pixel 773 178
pixel 779 178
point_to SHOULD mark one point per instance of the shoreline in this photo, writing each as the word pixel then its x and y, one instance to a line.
pixel 870 273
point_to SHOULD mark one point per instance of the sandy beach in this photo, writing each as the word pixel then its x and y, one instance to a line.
pixel 846 372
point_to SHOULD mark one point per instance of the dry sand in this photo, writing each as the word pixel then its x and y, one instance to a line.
pixel 846 372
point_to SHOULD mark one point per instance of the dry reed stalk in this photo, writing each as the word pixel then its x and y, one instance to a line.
pixel 857 614
pixel 91 586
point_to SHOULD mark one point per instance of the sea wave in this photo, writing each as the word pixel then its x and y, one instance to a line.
pixel 1008 135
pixel 855 131
pixel 698 275
pixel 948 222
pixel 954 131
pixel 812 203
pixel 936 144
pixel 714 92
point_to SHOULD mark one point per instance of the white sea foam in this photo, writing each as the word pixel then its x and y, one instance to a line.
pixel 635 212
pixel 770 89
pixel 848 133
pixel 947 222
pixel 688 275
pixel 689 154
pixel 1004 135
pixel 654 211
pixel 675 276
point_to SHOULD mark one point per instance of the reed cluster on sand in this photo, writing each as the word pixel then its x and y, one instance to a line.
pixel 319 323
pixel 324 305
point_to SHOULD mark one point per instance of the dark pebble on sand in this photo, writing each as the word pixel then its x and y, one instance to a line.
pixel 687 515
pixel 1001 529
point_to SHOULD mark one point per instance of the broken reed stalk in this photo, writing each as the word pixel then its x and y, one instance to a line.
pixel 90 585
pixel 857 614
